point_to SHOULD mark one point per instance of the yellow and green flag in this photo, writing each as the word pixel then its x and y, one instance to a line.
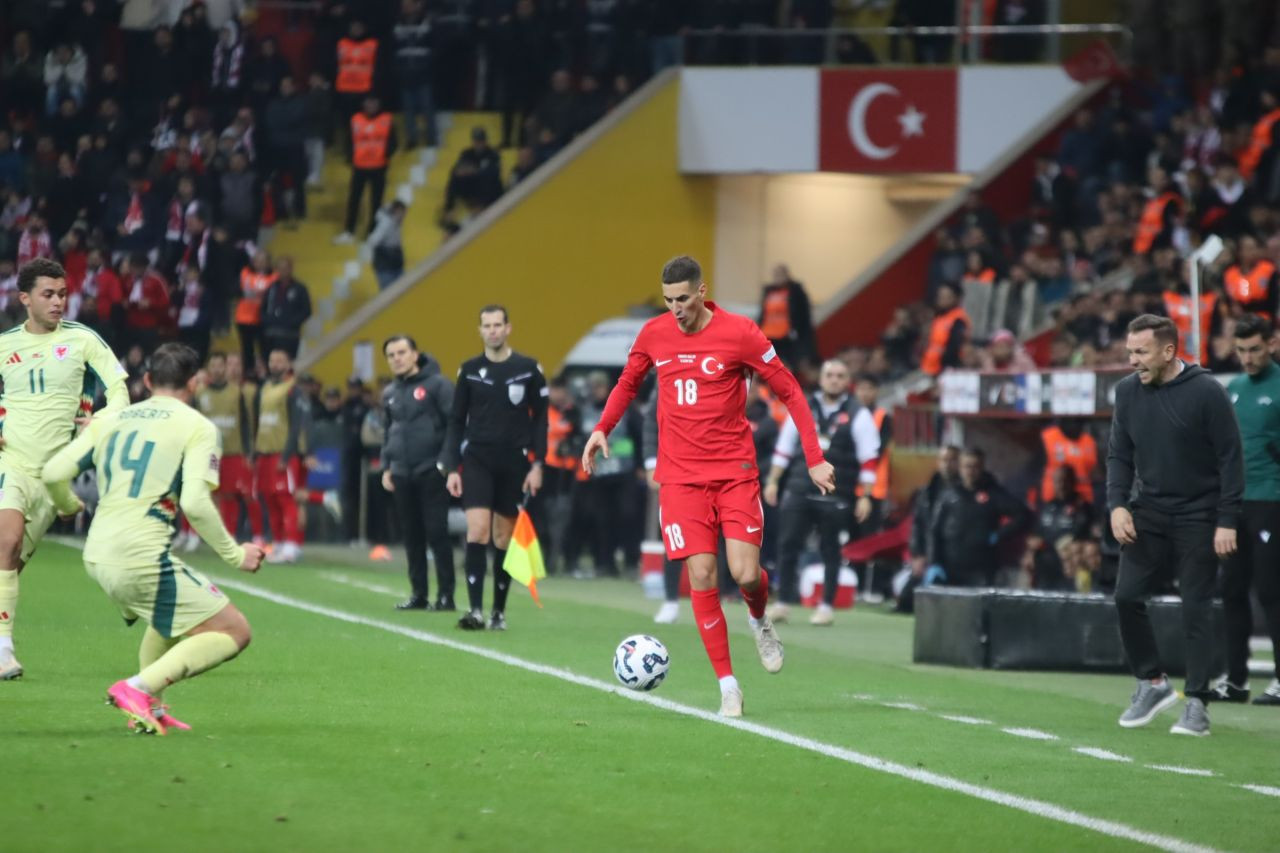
pixel 524 556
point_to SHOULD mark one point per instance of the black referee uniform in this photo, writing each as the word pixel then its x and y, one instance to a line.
pixel 499 423
pixel 417 408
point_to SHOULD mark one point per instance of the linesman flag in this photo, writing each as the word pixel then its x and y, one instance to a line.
pixel 524 555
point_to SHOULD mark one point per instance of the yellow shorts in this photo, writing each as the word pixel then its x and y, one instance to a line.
pixel 171 597
pixel 27 494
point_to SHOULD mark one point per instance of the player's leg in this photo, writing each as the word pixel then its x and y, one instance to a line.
pixel 833 520
pixel 12 525
pixel 434 501
pixel 1141 567
pixel 292 478
pixel 477 500
pixel 1266 574
pixel 409 509
pixel 1237 610
pixel 1197 568
pixel 265 482
pixel 246 487
pixel 742 523
pixel 508 495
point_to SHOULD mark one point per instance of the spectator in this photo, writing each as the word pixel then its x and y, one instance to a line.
pixel 413 54
pixel 265 73
pixel 373 141
pixel 240 193
pixel 255 280
pixel 65 71
pixel 1081 149
pixel 146 304
pixel 388 251
pixel 286 306
pixel 355 407
pixel 194 312
pixel 21 77
pixel 318 122
pixel 133 217
pixel 971 519
pixel 286 121
pixel 1005 355
pixel 949 332
pixel 227 82
pixel 102 293
pixel 558 108
pixel 786 319
pixel 592 103
pixel 35 242
pixel 526 162
pixel 475 179
pixel 521 65
pixel 923 506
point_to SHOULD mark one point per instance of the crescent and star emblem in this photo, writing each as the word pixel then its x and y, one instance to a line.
pixel 911 120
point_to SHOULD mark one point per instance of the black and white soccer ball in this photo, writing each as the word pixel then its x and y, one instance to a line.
pixel 641 662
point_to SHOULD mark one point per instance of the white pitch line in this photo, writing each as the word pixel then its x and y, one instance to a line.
pixel 1032 734
pixel 1105 755
pixel 339 577
pixel 1038 808
pixel 903 706
pixel 1181 771
pixel 1262 789
pixel 968 721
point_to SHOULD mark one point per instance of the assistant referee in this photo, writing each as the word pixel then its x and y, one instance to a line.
pixel 1173 428
pixel 500 412
pixel 1256 397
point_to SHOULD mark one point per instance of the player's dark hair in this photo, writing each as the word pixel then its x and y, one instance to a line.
pixel 172 366
pixel 493 308
pixel 38 268
pixel 413 345
pixel 1253 324
pixel 682 268
pixel 1161 327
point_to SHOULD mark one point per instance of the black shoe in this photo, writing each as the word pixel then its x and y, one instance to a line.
pixel 1270 696
pixel 473 621
pixel 415 602
pixel 445 604
pixel 497 621
pixel 1225 691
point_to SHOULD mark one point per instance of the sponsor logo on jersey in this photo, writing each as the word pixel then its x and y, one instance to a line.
pixel 687 358
pixel 14 359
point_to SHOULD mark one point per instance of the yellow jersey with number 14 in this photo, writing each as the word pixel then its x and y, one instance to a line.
pixel 49 381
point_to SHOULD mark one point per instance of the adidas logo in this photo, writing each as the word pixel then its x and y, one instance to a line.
pixel 14 359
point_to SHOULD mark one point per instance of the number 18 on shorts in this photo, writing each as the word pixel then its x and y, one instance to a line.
pixel 693 515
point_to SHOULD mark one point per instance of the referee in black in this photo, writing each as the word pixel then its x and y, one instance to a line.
pixel 500 418
pixel 1174 428
pixel 417 405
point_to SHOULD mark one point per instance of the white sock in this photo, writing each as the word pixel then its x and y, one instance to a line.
pixel 136 683
pixel 753 622
pixel 728 683
pixel 6 644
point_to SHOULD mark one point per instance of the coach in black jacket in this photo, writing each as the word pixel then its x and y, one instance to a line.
pixel 417 405
pixel 972 518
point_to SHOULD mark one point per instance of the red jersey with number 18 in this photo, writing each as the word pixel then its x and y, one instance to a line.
pixel 703 434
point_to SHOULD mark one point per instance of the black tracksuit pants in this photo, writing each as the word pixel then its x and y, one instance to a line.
pixel 1256 563
pixel 423 506
pixel 799 514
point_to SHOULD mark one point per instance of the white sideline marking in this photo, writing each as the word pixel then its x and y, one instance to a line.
pixel 338 577
pixel 968 721
pixel 1105 755
pixel 1033 734
pixel 1184 771
pixel 1263 789
pixel 1041 809
pixel 903 706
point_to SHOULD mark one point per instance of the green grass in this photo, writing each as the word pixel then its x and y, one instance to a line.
pixel 331 736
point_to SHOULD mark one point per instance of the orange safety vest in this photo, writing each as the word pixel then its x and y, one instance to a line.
pixel 355 65
pixel 939 334
pixel 775 319
pixel 1253 288
pixel 1178 307
pixel 558 429
pixel 1152 221
pixel 253 288
pixel 880 488
pixel 369 140
pixel 1258 144
pixel 987 276
pixel 1081 455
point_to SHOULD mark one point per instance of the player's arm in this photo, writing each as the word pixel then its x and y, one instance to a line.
pixel 451 457
pixel 200 462
pixel 783 451
pixel 1224 435
pixel 637 367
pixel 67 464
pixel 104 363
pixel 759 355
pixel 1120 473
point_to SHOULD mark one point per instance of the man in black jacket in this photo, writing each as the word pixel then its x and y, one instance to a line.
pixel 1175 485
pixel 285 308
pixel 972 518
pixel 417 404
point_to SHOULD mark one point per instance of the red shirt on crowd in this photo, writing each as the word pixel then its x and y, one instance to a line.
pixel 146 301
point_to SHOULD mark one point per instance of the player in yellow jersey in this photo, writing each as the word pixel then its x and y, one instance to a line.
pixel 153 459
pixel 51 370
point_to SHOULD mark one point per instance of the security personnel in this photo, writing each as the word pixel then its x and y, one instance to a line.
pixel 786 318
pixel 500 409
pixel 1251 282
pixel 1158 214
pixel 867 389
pixel 280 414
pixel 1067 445
pixel 226 401
pixel 1263 136
pixel 1256 562
pixel 417 405
pixel 357 63
pixel 948 333
pixel 554 504
pixel 851 443
pixel 373 141
pixel 1177 305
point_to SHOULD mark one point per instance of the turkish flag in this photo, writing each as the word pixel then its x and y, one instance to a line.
pixel 888 121
pixel 1093 62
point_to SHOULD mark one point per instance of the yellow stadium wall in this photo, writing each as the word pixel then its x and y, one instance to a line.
pixel 580 248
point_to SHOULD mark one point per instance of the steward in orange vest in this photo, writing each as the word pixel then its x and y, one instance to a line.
pixel 1178 306
pixel 1159 213
pixel 867 389
pixel 1068 445
pixel 1263 136
pixel 947 334
pixel 373 141
pixel 1250 282
pixel 357 61
pixel 786 318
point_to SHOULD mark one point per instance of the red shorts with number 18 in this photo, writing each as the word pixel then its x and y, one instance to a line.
pixel 693 515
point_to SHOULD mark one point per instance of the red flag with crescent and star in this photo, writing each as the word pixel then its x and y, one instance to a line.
pixel 888 121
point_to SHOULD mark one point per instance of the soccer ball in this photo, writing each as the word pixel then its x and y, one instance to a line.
pixel 641 662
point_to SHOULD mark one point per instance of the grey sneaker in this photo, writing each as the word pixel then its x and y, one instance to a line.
pixel 1148 700
pixel 1194 720
pixel 1270 696
pixel 768 644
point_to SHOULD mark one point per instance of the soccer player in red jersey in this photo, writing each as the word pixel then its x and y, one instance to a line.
pixel 706 457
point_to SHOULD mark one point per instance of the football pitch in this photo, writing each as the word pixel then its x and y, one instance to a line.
pixel 349 726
